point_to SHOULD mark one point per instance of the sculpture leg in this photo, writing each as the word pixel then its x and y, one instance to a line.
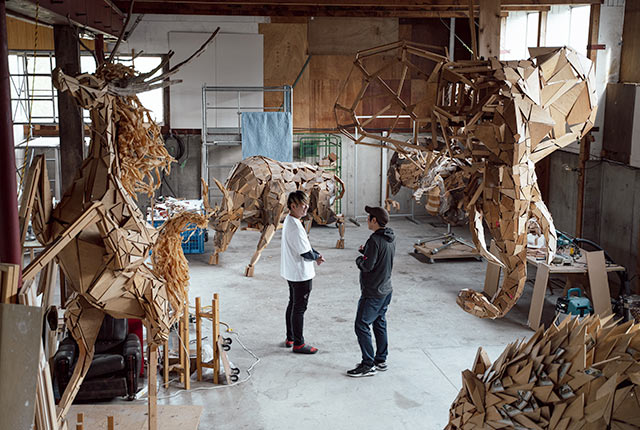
pixel 340 223
pixel 267 234
pixel 511 243
pixel 83 321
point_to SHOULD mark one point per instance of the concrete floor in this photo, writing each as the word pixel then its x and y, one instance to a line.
pixel 431 339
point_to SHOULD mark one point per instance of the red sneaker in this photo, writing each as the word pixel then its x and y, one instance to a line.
pixel 288 343
pixel 304 349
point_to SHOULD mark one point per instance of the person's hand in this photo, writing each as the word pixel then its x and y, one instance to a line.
pixel 320 260
pixel 361 249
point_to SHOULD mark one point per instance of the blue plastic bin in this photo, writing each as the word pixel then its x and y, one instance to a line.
pixel 192 241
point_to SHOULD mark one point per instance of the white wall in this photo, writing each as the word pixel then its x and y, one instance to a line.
pixel 235 58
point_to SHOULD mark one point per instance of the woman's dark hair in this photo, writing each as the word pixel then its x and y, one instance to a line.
pixel 297 197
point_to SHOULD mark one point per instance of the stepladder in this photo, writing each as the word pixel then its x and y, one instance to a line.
pixel 220 344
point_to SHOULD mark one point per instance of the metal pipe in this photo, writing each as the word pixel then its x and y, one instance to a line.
pixel 452 38
pixel 10 251
pixel 204 171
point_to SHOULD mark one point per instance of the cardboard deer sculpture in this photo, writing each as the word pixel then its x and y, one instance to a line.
pixel 502 117
pixel 97 233
pixel 579 375
pixel 256 191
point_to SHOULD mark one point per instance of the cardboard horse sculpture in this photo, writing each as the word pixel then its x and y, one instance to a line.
pixel 97 233
pixel 500 117
pixel 256 191
pixel 579 375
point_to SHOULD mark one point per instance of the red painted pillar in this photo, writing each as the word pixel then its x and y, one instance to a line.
pixel 9 227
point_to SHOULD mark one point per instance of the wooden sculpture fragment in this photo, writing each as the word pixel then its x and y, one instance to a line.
pixel 579 375
pixel 442 182
pixel 499 117
pixel 256 191
pixel 97 233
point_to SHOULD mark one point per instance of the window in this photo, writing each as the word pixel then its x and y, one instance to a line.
pixel 566 26
pixel 32 89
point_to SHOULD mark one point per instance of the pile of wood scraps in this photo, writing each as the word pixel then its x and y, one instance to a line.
pixel 578 375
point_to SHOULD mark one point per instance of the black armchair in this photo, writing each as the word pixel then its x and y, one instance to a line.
pixel 115 366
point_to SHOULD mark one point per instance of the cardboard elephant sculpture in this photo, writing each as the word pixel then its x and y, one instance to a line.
pixel 256 191
pixel 443 183
pixel 96 232
pixel 502 117
pixel 579 375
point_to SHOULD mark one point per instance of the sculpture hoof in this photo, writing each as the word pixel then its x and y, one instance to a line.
pixel 340 244
pixel 213 260
pixel 477 304
pixel 248 271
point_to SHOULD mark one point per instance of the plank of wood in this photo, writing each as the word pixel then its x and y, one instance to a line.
pixel 133 417
pixel 20 328
pixel 330 36
pixel 630 56
pixel 537 300
pixel 492 277
pixel 489 31
pixel 598 283
pixel 9 277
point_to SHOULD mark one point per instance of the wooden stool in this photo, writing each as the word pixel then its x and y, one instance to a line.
pixel 183 367
pixel 220 345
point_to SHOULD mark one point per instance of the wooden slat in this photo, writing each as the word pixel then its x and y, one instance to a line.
pixel 489 32
pixel 630 56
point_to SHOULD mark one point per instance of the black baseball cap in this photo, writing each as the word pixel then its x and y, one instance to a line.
pixel 379 213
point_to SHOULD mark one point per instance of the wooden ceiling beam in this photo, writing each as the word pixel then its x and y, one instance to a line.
pixel 295 11
pixel 367 3
pixel 97 16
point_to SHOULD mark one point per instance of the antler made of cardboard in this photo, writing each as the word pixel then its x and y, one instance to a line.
pixel 500 117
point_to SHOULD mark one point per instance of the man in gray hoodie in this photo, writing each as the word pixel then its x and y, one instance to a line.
pixel 375 264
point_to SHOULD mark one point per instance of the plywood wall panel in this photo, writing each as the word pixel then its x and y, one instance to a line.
pixel 21 36
pixel 285 52
pixel 344 36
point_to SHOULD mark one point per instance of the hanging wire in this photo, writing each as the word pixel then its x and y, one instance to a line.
pixel 457 37
pixel 31 96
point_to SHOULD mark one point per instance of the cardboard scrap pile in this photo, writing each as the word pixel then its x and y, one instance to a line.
pixel 256 191
pixel 497 118
pixel 170 206
pixel 579 375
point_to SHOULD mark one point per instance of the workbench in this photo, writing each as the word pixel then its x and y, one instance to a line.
pixel 591 264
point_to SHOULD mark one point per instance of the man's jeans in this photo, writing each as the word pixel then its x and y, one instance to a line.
pixel 372 311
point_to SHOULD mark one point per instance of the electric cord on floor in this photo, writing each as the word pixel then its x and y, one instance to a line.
pixel 249 370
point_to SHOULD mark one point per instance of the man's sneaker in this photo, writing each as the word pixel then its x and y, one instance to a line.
pixel 288 343
pixel 361 370
pixel 381 367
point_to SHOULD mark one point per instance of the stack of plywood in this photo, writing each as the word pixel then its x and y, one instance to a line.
pixel 579 375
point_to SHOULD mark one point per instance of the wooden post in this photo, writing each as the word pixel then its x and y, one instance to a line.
pixel 80 421
pixel 630 55
pixel 585 142
pixel 198 341
pixel 165 367
pixel 585 148
pixel 153 380
pixel 71 124
pixel 215 320
pixel 181 350
pixel 472 29
pixel 186 369
pixel 542 28
pixel 110 424
pixel 489 33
